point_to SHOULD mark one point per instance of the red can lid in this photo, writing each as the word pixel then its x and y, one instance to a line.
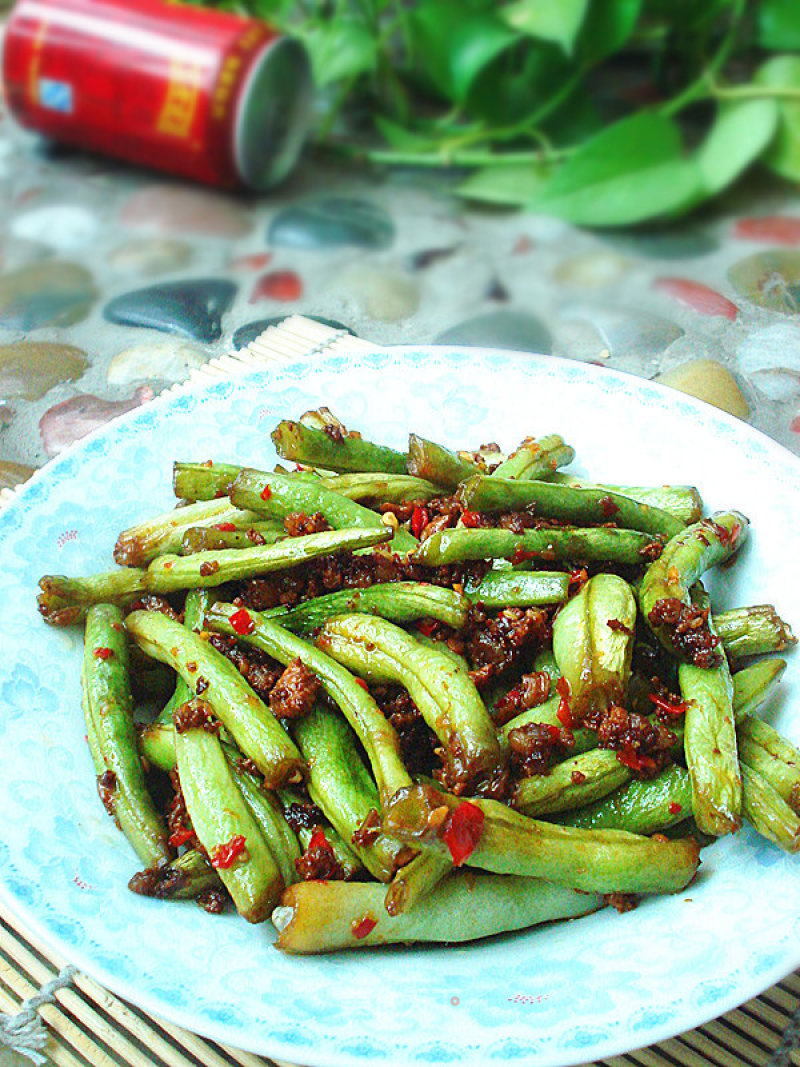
pixel 273 113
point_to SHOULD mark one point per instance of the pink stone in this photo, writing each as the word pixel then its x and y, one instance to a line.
pixel 257 261
pixel 776 229
pixel 74 418
pixel 700 297
pixel 277 285
pixel 179 210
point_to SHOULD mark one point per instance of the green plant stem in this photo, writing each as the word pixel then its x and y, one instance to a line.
pixel 456 159
pixel 702 87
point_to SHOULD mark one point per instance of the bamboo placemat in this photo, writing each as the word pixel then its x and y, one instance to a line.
pixel 86 1024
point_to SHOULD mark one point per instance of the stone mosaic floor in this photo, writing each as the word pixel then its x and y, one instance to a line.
pixel 114 283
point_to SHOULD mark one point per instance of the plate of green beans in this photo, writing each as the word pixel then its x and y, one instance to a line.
pixel 433 705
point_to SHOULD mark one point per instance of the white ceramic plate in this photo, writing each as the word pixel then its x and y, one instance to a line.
pixel 565 994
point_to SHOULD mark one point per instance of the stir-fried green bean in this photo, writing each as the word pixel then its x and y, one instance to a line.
pixel 334 450
pixel 214 678
pixel 358 707
pixel 569 543
pixel 565 503
pixel 536 459
pixel 108 706
pixel 326 917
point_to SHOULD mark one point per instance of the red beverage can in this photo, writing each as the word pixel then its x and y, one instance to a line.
pixel 205 94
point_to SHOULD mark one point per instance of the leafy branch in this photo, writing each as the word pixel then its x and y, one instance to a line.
pixel 602 112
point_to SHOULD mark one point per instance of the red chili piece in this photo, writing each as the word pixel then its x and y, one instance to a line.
pixel 426 627
pixel 564 714
pixel 470 518
pixel 225 527
pixel 241 622
pixel 224 856
pixel 362 683
pixel 521 555
pixel 419 520
pixel 671 709
pixel 463 831
pixel 103 653
pixel 609 507
pixel 319 840
pixel 265 493
pixel 363 926
pixel 675 808
pixel 180 837
pixel 630 758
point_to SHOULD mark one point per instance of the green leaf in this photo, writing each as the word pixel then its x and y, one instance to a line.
pixel 783 155
pixel 454 45
pixel 778 25
pixel 606 28
pixel 631 171
pixel 514 184
pixel 740 133
pixel 550 20
pixel 402 139
pixel 341 48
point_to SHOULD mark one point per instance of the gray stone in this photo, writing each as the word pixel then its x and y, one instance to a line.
pixel 514 330
pixel 54 293
pixel 770 360
pixel 621 332
pixel 192 308
pixel 330 222
pixel 29 369
pixel 672 243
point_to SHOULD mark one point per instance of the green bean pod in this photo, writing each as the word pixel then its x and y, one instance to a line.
pixel 681 501
pixel 65 601
pixel 763 749
pixel 568 543
pixel 753 631
pixel 335 451
pixel 576 781
pixel 374 488
pixel 536 459
pixel 437 464
pixel 183 878
pixel 593 642
pixel 220 816
pixel 139 545
pixel 519 589
pixel 447 699
pixel 203 481
pixel 768 812
pixel 547 713
pixel 279 495
pixel 598 861
pixel 329 916
pixel 580 506
pixel 397 601
pixel 108 706
pixel 710 744
pixel 413 882
pixel 682 562
pixel 210 538
pixel 340 785
pixel 211 675
pixel 373 731
pixel 267 811
pixel 642 806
